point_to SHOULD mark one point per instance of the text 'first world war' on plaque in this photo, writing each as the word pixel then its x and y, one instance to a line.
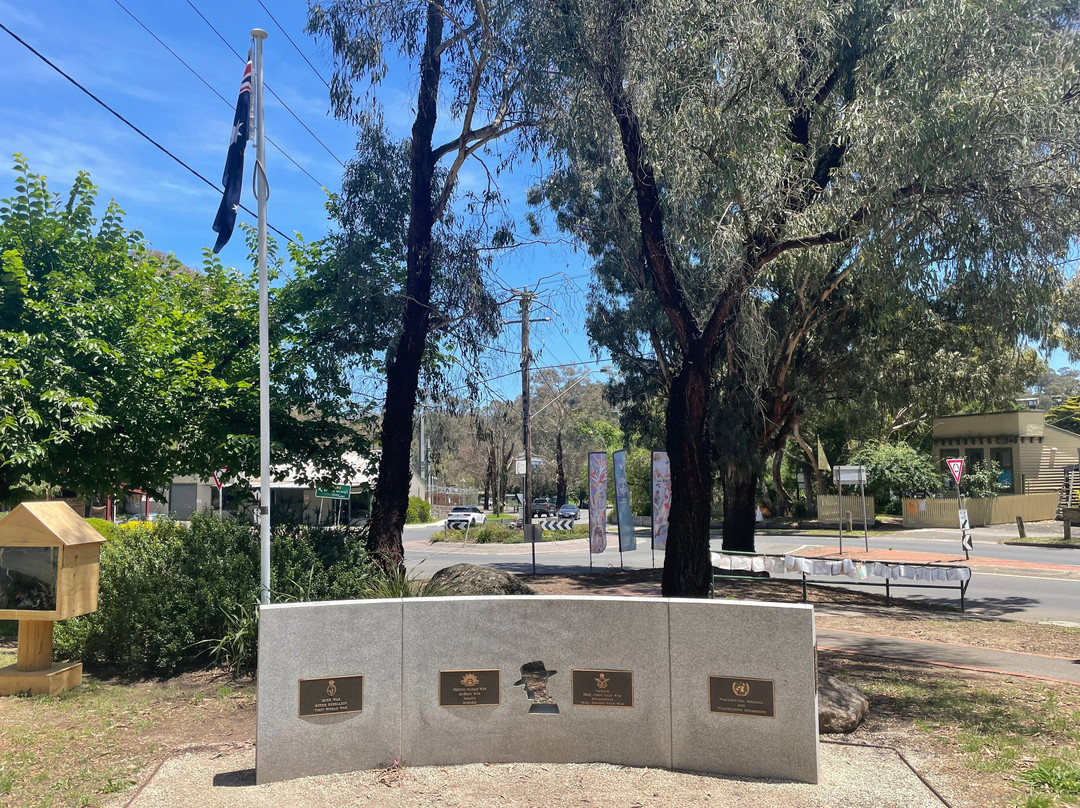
pixel 330 696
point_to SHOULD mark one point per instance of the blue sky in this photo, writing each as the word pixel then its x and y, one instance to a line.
pixel 61 131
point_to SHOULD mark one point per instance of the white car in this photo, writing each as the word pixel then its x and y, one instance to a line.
pixel 463 516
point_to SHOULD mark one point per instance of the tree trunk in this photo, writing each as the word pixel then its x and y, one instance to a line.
pixel 560 473
pixel 740 507
pixel 687 568
pixel 489 476
pixel 403 371
pixel 783 498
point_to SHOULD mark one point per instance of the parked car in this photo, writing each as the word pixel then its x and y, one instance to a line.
pixel 568 511
pixel 543 507
pixel 463 516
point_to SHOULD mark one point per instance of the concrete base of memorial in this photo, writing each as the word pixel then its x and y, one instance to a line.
pixel 716 686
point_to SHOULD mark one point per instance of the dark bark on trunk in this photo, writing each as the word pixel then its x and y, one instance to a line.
pixel 489 476
pixel 740 507
pixel 503 475
pixel 687 568
pixel 403 371
pixel 560 473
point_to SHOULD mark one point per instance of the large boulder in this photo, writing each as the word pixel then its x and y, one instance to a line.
pixel 469 579
pixel 841 707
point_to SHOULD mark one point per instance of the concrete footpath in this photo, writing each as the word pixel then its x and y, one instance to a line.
pixel 966 657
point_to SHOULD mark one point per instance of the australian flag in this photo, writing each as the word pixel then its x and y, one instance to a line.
pixel 233 177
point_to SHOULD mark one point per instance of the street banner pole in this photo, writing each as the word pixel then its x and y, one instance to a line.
pixel 262 194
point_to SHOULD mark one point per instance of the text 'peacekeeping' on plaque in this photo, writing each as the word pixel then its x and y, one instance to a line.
pixel 741 696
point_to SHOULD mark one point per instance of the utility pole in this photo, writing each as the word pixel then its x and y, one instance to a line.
pixel 526 427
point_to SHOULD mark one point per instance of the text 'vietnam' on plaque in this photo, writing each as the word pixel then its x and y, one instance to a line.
pixel 330 695
pixel 470 688
pixel 602 688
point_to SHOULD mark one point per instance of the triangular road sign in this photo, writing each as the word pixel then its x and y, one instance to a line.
pixel 956 466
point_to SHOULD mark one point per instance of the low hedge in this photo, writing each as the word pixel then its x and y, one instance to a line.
pixel 169 593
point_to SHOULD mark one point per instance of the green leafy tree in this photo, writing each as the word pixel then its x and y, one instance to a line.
pixel 895 470
pixel 1066 415
pixel 122 368
pixel 859 136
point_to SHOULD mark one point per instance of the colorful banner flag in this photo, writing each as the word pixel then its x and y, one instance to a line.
pixel 627 539
pixel 661 499
pixel 233 177
pixel 597 502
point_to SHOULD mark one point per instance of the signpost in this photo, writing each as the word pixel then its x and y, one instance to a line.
pixel 338 492
pixel 956 468
pixel 217 475
pixel 849 475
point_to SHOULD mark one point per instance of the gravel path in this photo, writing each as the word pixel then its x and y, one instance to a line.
pixel 223 777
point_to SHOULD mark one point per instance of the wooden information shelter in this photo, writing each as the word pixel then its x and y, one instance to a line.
pixel 48 571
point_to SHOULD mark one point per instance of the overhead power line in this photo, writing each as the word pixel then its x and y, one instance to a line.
pixel 267 86
pixel 126 122
pixel 302 55
pixel 210 87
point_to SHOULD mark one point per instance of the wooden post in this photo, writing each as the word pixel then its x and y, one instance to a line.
pixel 1020 527
pixel 1068 530
pixel 35 645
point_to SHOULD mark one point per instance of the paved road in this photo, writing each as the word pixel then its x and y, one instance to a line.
pixel 998 591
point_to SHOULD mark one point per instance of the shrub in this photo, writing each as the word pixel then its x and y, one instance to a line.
pixel 163 588
pixel 896 469
pixel 496 534
pixel 983 480
pixel 170 595
pixel 102 526
pixel 419 511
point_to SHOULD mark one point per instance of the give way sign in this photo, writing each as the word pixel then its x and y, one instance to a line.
pixel 956 466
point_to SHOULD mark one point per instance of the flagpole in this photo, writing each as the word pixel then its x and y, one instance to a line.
pixel 262 193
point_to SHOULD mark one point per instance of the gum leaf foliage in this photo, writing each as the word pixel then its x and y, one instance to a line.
pixel 823 148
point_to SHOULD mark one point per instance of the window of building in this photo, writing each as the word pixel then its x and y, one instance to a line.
pixel 1004 458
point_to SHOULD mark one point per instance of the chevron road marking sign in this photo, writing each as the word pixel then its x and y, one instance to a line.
pixel 557 524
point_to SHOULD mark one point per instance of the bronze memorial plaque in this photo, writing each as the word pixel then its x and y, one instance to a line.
pixel 339 694
pixel 741 696
pixel 602 688
pixel 473 688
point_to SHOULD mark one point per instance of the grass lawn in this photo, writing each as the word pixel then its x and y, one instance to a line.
pixel 85 745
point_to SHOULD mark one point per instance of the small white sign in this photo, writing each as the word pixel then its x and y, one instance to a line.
pixel 520 468
pixel 964 523
pixel 849 474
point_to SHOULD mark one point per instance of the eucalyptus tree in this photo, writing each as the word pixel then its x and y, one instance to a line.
pixel 940 134
pixel 465 58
